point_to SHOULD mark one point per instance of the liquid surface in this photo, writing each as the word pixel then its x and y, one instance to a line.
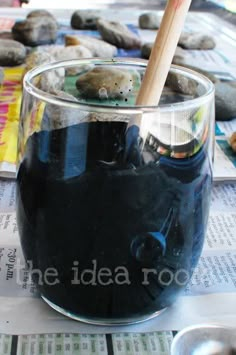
pixel 118 224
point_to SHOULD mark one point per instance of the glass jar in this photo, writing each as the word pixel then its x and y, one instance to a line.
pixel 113 198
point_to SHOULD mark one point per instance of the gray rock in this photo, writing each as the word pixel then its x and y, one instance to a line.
pixel 84 20
pixel 225 101
pixel 196 41
pixel 11 52
pixel 35 31
pixel 149 20
pixel 1 76
pixel 146 50
pixel 177 59
pixel 105 83
pixel 181 84
pixel 97 47
pixel 51 80
pixel 118 34
pixel 40 13
pixel 73 52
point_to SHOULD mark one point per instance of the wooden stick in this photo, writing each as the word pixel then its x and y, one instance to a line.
pixel 162 53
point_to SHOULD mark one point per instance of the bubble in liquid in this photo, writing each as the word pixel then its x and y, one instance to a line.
pixel 102 92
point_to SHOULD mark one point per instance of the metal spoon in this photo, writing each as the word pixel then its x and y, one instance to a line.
pixel 205 340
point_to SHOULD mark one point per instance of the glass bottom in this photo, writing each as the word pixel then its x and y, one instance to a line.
pixel 97 321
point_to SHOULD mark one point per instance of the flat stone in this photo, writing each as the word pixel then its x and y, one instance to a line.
pixel 35 31
pixel 149 20
pixel 11 52
pixel 210 76
pixel 181 84
pixel 105 83
pixel 98 47
pixel 118 34
pixel 84 20
pixel 225 101
pixel 196 41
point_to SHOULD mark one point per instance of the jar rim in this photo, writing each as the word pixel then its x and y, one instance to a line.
pixel 127 109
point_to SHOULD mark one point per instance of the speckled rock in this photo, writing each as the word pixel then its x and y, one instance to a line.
pixel 149 20
pixel 225 101
pixel 97 47
pixel 118 34
pixel 105 83
pixel 181 84
pixel 11 52
pixel 35 31
pixel 84 20
pixel 196 41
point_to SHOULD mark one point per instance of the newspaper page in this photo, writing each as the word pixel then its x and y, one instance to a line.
pixel 209 297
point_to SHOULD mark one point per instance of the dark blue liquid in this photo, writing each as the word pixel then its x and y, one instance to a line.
pixel 86 202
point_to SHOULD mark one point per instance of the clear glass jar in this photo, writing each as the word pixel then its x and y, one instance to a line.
pixel 113 198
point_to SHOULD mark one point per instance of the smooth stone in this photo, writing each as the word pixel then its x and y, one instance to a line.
pixel 147 48
pixel 84 20
pixel 51 80
pixel 11 52
pixel 40 13
pixel 105 83
pixel 35 31
pixel 118 34
pixel 37 58
pixel 181 84
pixel 196 41
pixel 73 52
pixel 98 47
pixel 225 101
pixel 1 76
pixel 149 20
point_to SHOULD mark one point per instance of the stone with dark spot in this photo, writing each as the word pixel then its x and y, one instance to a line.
pixel 118 34
pixel 35 31
pixel 105 83
pixel 149 20
pixel 84 20
pixel 11 52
